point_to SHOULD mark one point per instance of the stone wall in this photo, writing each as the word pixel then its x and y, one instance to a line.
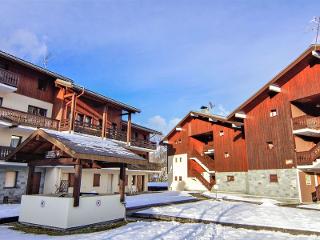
pixel 20 189
pixel 286 187
pixel 238 185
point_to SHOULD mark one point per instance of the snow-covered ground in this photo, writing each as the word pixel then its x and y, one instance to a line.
pixel 162 230
pixel 9 210
pixel 266 214
pixel 244 198
pixel 315 206
pixel 157 198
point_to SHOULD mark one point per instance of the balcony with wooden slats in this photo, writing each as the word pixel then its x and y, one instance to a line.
pixel 16 118
pixel 308 157
pixel 5 151
pixel 111 133
pixel 8 81
pixel 306 125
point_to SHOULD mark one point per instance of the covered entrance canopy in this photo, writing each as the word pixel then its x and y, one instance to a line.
pixel 53 148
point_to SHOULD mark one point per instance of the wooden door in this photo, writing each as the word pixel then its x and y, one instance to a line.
pixel 139 183
pixel 36 183
pixel 318 177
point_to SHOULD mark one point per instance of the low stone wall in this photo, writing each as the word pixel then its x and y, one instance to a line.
pixel 238 185
pixel 286 187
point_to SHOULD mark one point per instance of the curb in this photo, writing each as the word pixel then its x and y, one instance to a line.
pixel 234 225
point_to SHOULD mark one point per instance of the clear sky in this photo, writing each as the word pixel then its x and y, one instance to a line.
pixel 166 57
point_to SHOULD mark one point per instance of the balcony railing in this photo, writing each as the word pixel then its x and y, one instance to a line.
pixel 306 121
pixel 208 146
pixel 204 159
pixel 111 133
pixel 9 78
pixel 27 119
pixel 5 151
pixel 307 157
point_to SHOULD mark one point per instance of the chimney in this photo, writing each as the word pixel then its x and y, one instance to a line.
pixel 205 109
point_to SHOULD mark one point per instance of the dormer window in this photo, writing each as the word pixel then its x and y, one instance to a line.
pixel 273 112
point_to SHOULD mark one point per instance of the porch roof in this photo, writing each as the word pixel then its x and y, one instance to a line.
pixel 74 145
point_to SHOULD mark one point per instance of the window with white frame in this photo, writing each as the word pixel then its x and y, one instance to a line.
pixel 226 155
pixel 181 159
pixel 273 112
pixel 15 141
pixel 10 179
pixel 221 133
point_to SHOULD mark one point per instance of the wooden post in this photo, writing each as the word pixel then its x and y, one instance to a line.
pixel 129 129
pixel 122 184
pixel 72 113
pixel 30 179
pixel 104 121
pixel 77 183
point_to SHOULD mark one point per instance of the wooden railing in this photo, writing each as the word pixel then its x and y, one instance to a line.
pixel 27 119
pixel 9 78
pixel 111 133
pixel 194 173
pixel 5 151
pixel 306 121
pixel 204 159
pixel 208 147
pixel 307 157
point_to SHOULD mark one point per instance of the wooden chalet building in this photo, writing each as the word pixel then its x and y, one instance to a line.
pixel 276 153
pixel 32 97
pixel 202 149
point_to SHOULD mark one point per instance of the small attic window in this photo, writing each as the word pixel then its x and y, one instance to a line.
pixel 273 112
pixel 221 133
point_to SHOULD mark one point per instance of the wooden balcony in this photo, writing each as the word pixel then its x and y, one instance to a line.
pixel 307 157
pixel 22 118
pixel 9 78
pixel 208 146
pixel 5 151
pixel 111 133
pixel 306 121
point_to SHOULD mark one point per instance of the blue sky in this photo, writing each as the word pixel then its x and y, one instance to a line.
pixel 166 56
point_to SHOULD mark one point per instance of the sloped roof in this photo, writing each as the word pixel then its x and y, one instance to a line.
pixel 83 146
pixel 137 126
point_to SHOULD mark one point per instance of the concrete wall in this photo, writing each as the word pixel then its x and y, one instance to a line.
pixel 240 183
pixel 178 166
pixel 21 102
pixel 286 187
pixel 6 133
pixel 58 212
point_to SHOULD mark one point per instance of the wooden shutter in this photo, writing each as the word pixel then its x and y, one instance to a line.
pixel 96 180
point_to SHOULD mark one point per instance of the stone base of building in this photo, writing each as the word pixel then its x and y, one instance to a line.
pixel 232 181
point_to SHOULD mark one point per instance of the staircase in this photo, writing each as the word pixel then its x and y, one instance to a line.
pixel 308 157
pixel 195 170
pixel 204 161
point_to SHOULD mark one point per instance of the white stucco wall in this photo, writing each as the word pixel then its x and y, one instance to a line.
pixel 59 212
pixel 6 133
pixel 178 166
pixel 21 102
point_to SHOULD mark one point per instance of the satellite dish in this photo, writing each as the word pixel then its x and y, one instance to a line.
pixel 316 53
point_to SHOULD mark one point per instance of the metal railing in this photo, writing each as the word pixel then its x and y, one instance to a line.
pixel 9 78
pixel 27 119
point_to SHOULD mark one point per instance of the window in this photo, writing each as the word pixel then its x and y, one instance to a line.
pixel 176 160
pixel 96 180
pixel 270 145
pixel 1 100
pixel 15 141
pixel 176 178
pixel 145 137
pixel 100 123
pixel 114 126
pixel 37 111
pixel 180 159
pixel 10 179
pixel 133 179
pixel 273 113
pixel 80 118
pixel 42 84
pixel 274 178
pixel 230 178
pixel 180 178
pixel 221 133
pixel 136 135
pixel 88 120
pixel 226 155
pixel 71 179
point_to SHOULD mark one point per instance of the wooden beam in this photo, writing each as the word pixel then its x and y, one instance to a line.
pixel 72 113
pixel 68 95
pixel 122 184
pixel 129 129
pixel 52 162
pixel 77 183
pixel 104 121
pixel 30 180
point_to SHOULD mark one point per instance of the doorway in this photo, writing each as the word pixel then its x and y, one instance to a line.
pixel 36 183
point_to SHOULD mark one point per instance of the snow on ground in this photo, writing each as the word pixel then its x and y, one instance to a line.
pixel 9 210
pixel 162 230
pixel 243 213
pixel 157 198
pixel 242 198
pixel 315 206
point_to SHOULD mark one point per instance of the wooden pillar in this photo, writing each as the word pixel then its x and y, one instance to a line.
pixel 30 179
pixel 122 182
pixel 104 121
pixel 77 183
pixel 129 129
pixel 72 113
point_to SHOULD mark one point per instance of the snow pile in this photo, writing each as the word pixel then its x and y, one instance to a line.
pixel 9 210
pixel 315 206
pixel 243 213
pixel 157 198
